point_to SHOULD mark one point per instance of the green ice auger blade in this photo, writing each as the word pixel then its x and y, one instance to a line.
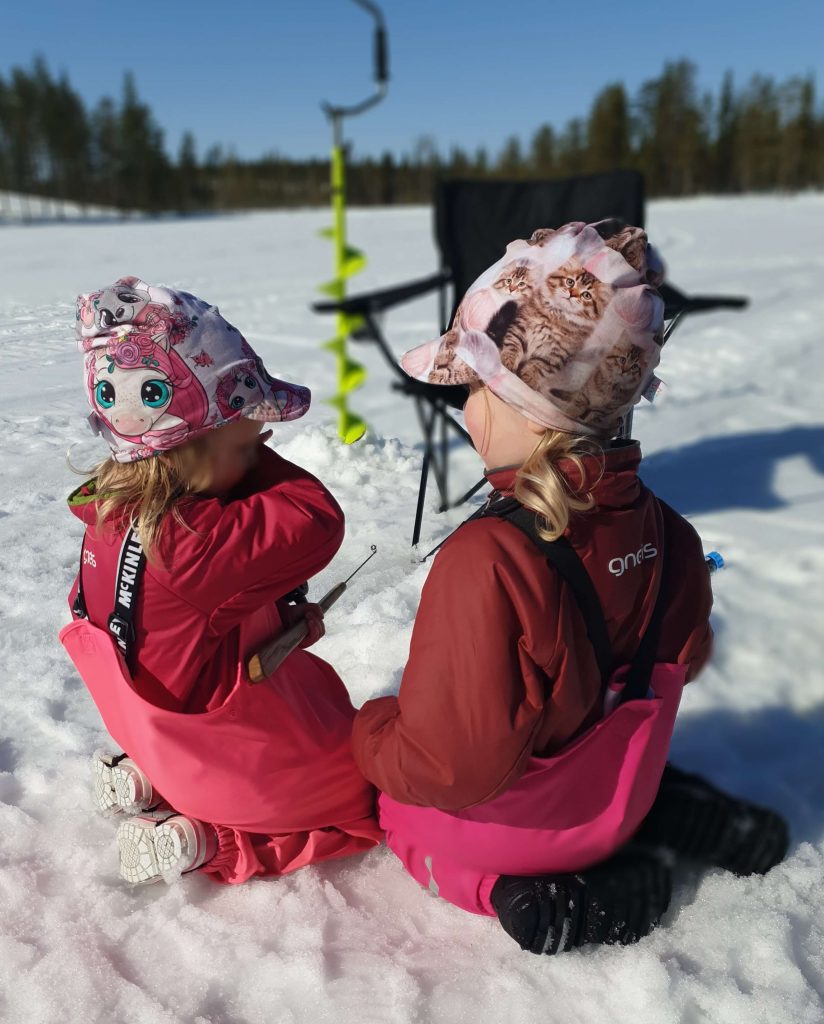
pixel 353 262
pixel 348 261
pixel 351 374
pixel 336 288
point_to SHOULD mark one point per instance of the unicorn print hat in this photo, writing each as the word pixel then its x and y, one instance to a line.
pixel 163 367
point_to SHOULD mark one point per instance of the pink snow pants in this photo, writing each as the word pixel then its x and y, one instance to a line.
pixel 566 812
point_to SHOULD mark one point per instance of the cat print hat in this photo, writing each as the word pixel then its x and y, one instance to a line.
pixel 162 367
pixel 566 328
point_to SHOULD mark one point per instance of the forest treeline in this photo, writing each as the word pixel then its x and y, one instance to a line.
pixel 762 136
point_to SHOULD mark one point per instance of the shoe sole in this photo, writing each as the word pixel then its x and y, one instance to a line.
pixel 616 903
pixel 147 854
pixel 116 787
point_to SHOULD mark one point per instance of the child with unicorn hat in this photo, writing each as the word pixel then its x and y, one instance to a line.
pixel 198 540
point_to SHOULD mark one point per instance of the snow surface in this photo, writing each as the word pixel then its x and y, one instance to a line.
pixel 736 444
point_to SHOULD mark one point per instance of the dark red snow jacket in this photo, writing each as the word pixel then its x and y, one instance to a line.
pixel 500 666
pixel 279 527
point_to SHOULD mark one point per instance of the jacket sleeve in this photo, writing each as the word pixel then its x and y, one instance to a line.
pixel 686 629
pixel 280 531
pixel 462 726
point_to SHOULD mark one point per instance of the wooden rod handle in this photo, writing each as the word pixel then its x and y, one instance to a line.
pixel 270 657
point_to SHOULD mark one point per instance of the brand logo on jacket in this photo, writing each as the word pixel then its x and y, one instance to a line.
pixel 618 566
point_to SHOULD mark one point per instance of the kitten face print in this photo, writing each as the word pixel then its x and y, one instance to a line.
pixel 575 292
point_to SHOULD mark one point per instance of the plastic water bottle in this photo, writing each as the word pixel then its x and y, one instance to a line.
pixel 714 561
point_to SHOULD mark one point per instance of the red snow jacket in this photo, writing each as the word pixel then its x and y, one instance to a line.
pixel 500 667
pixel 279 527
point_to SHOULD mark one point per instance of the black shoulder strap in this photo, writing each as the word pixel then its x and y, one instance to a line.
pixel 569 566
pixel 130 566
pixel 563 558
pixel 79 604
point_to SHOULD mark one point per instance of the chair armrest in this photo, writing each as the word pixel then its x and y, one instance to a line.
pixel 384 298
pixel 675 301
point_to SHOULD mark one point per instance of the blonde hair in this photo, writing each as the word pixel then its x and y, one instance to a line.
pixel 541 486
pixel 145 491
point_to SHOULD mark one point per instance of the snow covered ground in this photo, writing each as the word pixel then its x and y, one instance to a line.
pixel 738 445
pixel 18 207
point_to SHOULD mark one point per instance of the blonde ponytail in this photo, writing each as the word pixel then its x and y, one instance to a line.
pixel 144 492
pixel 541 487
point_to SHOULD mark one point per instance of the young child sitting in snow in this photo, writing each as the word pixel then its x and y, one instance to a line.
pixel 527 745
pixel 197 537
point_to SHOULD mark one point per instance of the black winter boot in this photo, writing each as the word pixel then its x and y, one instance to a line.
pixel 617 902
pixel 692 818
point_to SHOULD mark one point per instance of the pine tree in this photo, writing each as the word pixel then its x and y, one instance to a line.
pixel 542 154
pixel 608 131
pixel 189 191
pixel 725 163
pixel 572 149
pixel 105 153
pixel 511 161
pixel 759 136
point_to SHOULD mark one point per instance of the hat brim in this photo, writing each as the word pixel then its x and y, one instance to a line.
pixel 283 402
pixel 422 364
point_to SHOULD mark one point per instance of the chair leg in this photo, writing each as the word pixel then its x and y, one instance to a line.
pixel 439 455
pixel 416 530
pixel 426 420
pixel 444 461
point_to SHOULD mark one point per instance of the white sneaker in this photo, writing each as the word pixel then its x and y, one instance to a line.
pixel 120 787
pixel 163 845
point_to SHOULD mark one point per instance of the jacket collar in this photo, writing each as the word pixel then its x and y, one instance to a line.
pixel 611 478
pixel 83 502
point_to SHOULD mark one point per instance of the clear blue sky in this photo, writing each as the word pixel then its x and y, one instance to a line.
pixel 251 74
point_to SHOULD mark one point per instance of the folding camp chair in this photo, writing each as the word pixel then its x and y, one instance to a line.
pixel 474 222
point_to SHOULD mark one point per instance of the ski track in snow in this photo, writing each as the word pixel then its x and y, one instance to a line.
pixel 736 443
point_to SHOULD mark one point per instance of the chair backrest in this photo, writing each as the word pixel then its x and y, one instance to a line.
pixel 475 220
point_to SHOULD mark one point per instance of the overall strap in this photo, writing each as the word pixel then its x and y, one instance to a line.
pixel 79 603
pixel 562 556
pixel 130 566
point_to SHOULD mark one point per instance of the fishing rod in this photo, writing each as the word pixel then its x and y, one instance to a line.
pixel 263 663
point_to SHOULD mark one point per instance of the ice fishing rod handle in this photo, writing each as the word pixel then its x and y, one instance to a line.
pixel 272 656
pixel 329 599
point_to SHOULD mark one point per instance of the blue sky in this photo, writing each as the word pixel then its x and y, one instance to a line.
pixel 251 74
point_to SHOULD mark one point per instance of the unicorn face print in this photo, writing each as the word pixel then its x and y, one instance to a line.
pixel 133 401
pixel 236 390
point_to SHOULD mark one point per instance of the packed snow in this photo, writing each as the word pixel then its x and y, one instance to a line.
pixel 736 443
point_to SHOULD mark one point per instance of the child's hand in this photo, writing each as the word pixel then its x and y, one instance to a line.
pixel 313 613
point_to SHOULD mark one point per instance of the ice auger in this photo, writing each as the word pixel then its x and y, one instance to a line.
pixel 348 260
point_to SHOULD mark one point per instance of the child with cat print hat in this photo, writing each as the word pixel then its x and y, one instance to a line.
pixel 198 540
pixel 523 763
